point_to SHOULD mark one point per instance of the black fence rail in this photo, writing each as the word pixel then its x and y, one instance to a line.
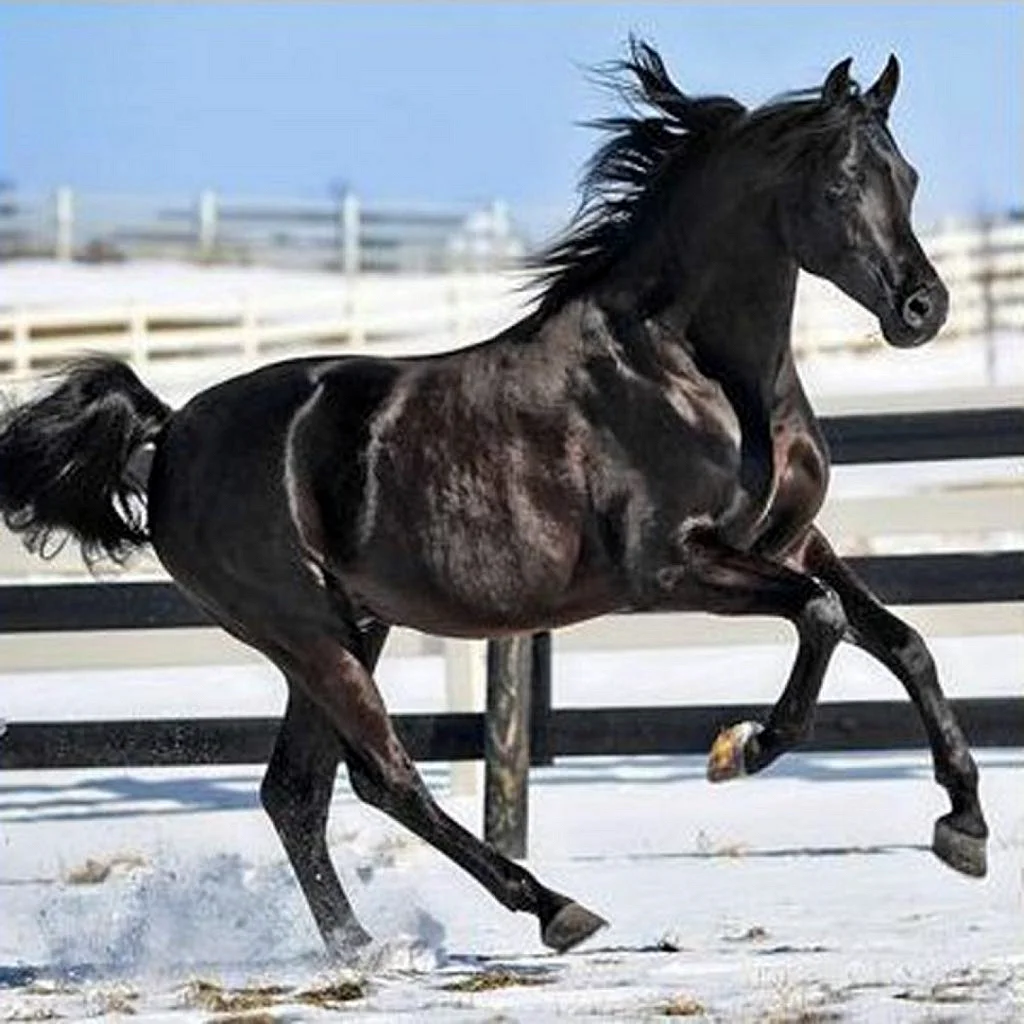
pixel 459 736
pixel 919 579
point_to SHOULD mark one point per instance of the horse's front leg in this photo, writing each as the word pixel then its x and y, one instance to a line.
pixel 959 835
pixel 717 578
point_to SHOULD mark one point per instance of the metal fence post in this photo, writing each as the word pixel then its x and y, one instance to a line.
pixel 507 744
pixel 64 221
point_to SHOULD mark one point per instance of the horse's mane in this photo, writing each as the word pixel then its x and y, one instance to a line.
pixel 663 132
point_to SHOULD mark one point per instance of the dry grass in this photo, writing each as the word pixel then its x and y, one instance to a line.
pixel 94 872
pixel 683 1006
pixel 485 981
pixel 208 995
pixel 201 994
pixel 332 995
pixel 803 1004
pixel 117 1000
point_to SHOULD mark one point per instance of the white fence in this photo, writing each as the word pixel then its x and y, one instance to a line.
pixel 258 324
pixel 257 320
pixel 343 234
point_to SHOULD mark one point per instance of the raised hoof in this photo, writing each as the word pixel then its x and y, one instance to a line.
pixel 962 852
pixel 727 758
pixel 569 927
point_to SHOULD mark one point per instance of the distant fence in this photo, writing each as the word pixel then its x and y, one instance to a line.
pixel 423 313
pixel 257 322
pixel 344 234
pixel 520 685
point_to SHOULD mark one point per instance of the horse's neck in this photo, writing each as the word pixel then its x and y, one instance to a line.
pixel 741 329
pixel 737 321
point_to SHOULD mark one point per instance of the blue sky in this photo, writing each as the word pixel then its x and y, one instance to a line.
pixel 463 102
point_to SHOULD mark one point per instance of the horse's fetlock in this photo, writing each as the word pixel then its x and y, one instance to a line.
pixel 958 771
pixel 787 735
pixel 522 892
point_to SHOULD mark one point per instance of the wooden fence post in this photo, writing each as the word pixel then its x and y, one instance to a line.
pixel 507 744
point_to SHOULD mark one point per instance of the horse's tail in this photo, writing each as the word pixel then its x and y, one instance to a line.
pixel 68 461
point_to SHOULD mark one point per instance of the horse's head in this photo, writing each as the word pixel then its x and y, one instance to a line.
pixel 847 213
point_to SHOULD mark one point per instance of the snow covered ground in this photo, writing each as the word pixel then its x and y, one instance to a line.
pixel 807 894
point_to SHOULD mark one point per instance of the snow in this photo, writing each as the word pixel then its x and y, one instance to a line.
pixel 50 284
pixel 809 889
pixel 797 891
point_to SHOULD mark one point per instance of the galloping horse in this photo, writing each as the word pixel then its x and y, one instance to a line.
pixel 639 440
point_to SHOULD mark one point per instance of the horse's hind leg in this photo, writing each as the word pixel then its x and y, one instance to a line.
pixel 959 835
pixel 296 794
pixel 384 775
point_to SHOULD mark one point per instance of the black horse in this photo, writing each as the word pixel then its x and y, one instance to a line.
pixel 640 440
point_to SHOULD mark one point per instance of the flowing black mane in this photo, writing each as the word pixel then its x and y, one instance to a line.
pixel 664 132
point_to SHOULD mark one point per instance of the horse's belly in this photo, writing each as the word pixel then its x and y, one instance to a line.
pixel 490 602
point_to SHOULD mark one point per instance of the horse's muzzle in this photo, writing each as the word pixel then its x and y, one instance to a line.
pixel 919 315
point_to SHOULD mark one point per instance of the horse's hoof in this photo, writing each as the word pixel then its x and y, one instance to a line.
pixel 727 758
pixel 346 943
pixel 569 927
pixel 962 852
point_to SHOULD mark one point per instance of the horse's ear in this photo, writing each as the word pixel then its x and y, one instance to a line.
pixel 879 96
pixel 837 84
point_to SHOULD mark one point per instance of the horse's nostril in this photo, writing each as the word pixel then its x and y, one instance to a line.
pixel 917 308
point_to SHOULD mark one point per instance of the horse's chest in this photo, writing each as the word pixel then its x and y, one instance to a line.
pixel 798 482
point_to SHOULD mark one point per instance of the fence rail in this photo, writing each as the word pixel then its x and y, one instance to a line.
pixel 344 234
pixel 453 736
pixel 983 267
